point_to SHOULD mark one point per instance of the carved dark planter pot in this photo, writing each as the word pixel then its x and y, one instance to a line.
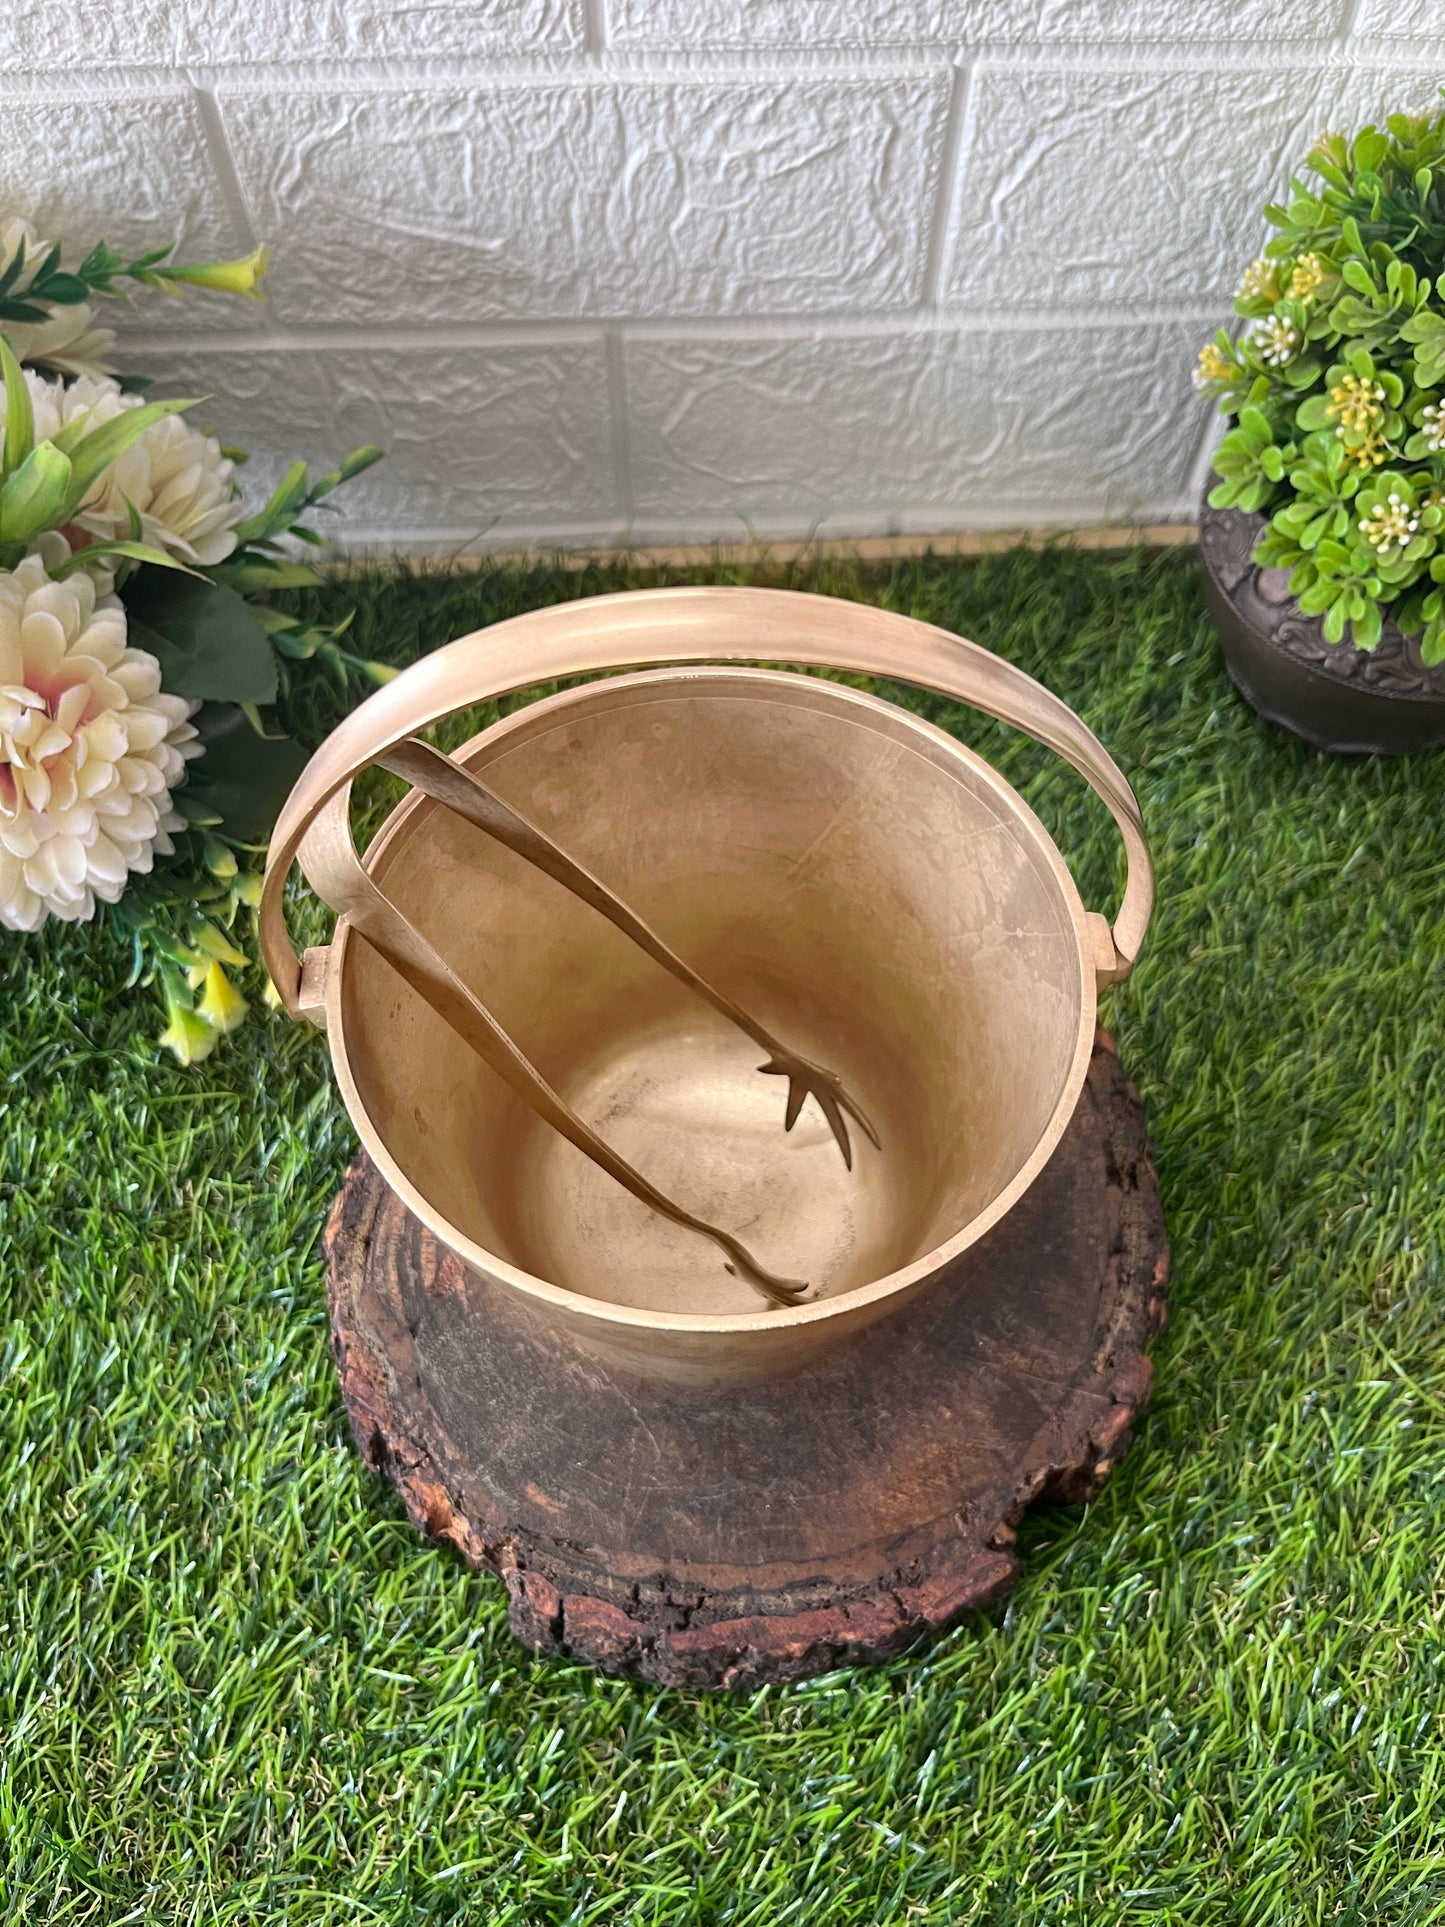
pixel 1336 696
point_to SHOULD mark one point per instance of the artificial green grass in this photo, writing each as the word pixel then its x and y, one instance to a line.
pixel 235 1686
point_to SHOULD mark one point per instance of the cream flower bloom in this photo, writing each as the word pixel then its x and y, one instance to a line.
pixel 90 750
pixel 1390 524
pixel 178 479
pixel 1275 341
pixel 1260 281
pixel 69 340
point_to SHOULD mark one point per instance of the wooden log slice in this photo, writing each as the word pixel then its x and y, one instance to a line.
pixel 828 1518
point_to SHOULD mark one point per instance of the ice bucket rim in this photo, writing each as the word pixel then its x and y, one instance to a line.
pixel 575 1306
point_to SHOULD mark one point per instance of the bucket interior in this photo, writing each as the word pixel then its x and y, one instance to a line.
pixel 836 868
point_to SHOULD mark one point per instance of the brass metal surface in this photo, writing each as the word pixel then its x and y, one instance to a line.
pixel 461 789
pixel 853 879
pixel 337 873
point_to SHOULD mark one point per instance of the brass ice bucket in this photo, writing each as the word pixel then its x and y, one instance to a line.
pixel 865 885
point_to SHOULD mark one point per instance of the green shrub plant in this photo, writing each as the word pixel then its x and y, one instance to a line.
pixel 1336 387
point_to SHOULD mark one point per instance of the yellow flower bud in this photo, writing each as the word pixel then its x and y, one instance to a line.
pixel 208 938
pixel 188 1035
pixel 1308 276
pixel 1260 281
pixel 227 277
pixel 220 860
pixel 222 1005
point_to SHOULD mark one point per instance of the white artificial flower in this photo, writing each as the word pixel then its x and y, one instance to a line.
pixel 1275 341
pixel 68 340
pixel 90 750
pixel 1432 427
pixel 176 477
pixel 1390 524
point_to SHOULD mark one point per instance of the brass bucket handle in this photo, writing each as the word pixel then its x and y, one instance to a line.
pixel 678 626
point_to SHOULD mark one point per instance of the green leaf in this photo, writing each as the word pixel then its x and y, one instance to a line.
pixel 243 777
pixel 70 434
pixel 1370 149
pixel 12 273
pixel 258 575
pixel 1420 327
pixel 257 721
pixel 1426 333
pixel 297 645
pixel 100 264
pixel 274 621
pixel 1367 626
pixel 289 495
pixel 63 289
pixel 33 497
pixel 133 551
pixel 93 454
pixel 1351 316
pixel 19 415
pixel 206 638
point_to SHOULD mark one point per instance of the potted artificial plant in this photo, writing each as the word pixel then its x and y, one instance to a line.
pixel 1323 540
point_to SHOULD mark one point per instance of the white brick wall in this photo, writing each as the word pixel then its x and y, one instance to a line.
pixel 657 269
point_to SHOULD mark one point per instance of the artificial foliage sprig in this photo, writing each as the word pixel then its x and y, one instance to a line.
pixel 224 641
pixel 30 288
pixel 205 618
pixel 261 565
pixel 1336 386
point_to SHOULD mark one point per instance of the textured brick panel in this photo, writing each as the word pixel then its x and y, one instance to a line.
pixel 646 24
pixel 1405 19
pixel 42 35
pixel 1139 187
pixel 1128 188
pixel 136 172
pixel 1370 93
pixel 476 439
pixel 594 198
pixel 929 428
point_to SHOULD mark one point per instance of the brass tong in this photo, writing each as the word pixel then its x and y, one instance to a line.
pixel 348 886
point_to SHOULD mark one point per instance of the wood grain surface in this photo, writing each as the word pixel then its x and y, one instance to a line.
pixel 724 1539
